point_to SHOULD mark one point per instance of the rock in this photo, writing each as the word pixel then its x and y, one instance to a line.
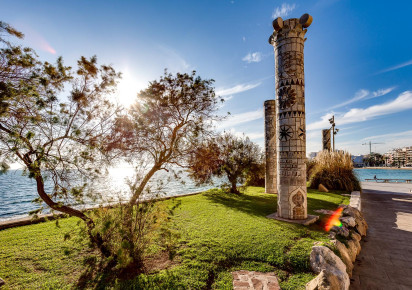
pixel 353 250
pixel 324 281
pixel 344 255
pixel 342 231
pixel 254 280
pixel 332 235
pixel 323 259
pixel 322 188
pixel 361 227
pixel 351 211
pixel 356 236
pixel 2 282
pixel 348 221
pixel 324 211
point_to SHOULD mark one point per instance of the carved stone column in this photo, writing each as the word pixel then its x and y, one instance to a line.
pixel 288 40
pixel 270 147
pixel 326 139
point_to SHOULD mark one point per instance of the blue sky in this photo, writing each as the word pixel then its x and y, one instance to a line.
pixel 358 56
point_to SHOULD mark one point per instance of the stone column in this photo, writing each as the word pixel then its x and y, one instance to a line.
pixel 326 139
pixel 288 40
pixel 270 147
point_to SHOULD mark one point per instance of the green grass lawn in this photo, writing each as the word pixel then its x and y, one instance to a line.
pixel 219 233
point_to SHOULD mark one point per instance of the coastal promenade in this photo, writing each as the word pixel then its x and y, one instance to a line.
pixel 385 261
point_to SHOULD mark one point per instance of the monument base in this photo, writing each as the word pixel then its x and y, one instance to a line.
pixel 308 221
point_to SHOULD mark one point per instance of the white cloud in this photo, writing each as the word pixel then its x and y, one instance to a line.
pixel 244 39
pixel 382 92
pixel 390 135
pixel 253 57
pixel 401 103
pixel 361 94
pixel 251 135
pixel 227 98
pixel 408 63
pixel 283 10
pixel 364 95
pixel 236 89
pixel 236 119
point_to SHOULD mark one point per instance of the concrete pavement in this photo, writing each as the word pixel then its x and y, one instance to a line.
pixel 385 261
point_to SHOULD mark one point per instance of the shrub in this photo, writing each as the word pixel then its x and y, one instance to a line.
pixel 335 171
pixel 310 165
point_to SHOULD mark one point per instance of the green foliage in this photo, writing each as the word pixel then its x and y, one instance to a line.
pixel 237 158
pixel 335 171
pixel 149 231
pixel 255 175
pixel 219 233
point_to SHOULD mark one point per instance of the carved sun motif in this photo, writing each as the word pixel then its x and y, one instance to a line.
pixel 285 133
pixel 287 97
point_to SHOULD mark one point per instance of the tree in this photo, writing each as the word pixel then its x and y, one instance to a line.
pixel 158 133
pixel 54 138
pixel 234 157
pixel 375 159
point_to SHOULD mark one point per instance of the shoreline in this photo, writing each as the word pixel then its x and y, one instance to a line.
pixel 29 220
pixel 387 168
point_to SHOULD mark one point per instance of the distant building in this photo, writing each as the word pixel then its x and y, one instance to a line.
pixel 358 160
pixel 400 157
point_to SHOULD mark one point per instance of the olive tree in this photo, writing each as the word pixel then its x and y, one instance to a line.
pixel 226 155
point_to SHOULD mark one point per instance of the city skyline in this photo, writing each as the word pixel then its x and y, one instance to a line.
pixel 357 57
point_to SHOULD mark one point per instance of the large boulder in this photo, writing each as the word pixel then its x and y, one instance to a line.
pixel 348 221
pixel 351 211
pixel 344 255
pixel 342 231
pixel 352 250
pixel 324 259
pixel 324 281
pixel 361 226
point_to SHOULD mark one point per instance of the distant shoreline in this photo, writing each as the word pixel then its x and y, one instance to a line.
pixel 388 168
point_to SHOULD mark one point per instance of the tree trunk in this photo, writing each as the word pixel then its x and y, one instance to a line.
pixel 233 183
pixel 95 238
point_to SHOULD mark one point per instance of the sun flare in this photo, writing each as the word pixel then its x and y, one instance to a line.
pixel 128 88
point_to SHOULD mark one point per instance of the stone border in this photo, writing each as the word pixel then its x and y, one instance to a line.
pixel 355 200
pixel 334 271
pixel 12 223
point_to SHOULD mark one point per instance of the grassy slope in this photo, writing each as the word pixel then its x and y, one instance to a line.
pixel 219 233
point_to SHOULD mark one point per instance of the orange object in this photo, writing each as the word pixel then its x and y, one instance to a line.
pixel 334 219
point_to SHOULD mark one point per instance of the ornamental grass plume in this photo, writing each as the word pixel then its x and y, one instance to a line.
pixel 335 171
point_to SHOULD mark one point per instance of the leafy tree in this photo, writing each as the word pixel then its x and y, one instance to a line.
pixel 375 159
pixel 226 155
pixel 158 133
pixel 54 138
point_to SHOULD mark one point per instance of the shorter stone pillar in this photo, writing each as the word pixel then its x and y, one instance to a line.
pixel 270 147
pixel 326 139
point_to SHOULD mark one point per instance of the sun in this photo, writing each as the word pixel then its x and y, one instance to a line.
pixel 128 88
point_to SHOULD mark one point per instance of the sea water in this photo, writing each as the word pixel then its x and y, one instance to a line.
pixel 17 191
pixel 363 174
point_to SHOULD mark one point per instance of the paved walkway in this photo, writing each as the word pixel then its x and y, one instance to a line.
pixel 385 261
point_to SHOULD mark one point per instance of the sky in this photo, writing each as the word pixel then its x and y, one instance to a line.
pixel 358 56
